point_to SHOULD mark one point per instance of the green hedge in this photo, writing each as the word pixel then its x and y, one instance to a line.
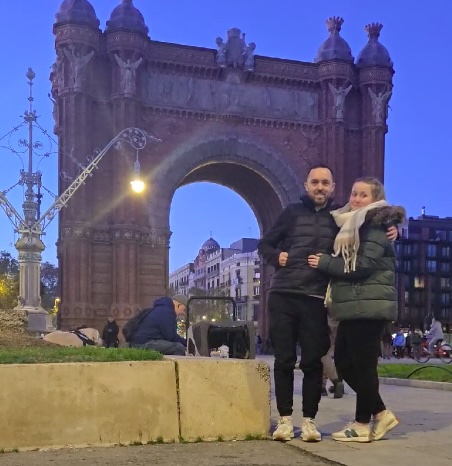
pixel 435 373
pixel 34 355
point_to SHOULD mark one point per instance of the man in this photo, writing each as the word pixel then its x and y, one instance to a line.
pixel 158 329
pixel 434 335
pixel 295 303
pixel 296 300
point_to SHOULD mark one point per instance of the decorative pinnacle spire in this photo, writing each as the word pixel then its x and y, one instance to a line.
pixel 373 30
pixel 30 74
pixel 334 24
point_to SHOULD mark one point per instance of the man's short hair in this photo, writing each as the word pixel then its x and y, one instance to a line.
pixel 320 165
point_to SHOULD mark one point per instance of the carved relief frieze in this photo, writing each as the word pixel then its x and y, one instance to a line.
pixel 79 33
pixel 229 97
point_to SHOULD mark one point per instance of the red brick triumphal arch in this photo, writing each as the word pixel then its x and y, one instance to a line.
pixel 224 115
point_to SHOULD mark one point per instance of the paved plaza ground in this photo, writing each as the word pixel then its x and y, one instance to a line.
pixel 200 454
pixel 423 438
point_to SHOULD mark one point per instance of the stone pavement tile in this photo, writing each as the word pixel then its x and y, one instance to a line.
pixel 423 436
pixel 383 456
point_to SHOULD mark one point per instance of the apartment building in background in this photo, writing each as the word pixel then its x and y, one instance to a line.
pixel 233 271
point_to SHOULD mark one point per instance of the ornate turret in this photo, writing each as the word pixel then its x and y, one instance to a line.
pixel 77 11
pixel 374 53
pixel 126 17
pixel 335 47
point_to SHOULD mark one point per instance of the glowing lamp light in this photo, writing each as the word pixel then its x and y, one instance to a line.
pixel 137 183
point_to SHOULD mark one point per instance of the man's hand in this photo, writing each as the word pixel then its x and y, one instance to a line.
pixel 313 260
pixel 392 233
pixel 283 256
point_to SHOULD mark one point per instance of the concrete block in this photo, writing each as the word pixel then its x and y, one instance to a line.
pixel 54 405
pixel 223 397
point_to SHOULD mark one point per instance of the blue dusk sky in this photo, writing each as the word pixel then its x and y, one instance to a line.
pixel 418 145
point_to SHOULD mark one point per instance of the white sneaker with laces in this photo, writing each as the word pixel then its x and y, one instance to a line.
pixel 353 432
pixel 309 432
pixel 383 423
pixel 284 429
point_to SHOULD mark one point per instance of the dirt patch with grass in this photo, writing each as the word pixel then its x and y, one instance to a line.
pixel 13 339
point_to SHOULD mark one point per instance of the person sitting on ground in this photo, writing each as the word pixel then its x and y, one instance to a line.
pixel 434 335
pixel 158 330
pixel 110 333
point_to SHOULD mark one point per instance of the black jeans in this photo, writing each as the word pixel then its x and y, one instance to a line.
pixel 303 319
pixel 356 355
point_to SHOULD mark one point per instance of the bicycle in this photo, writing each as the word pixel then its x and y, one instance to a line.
pixel 442 350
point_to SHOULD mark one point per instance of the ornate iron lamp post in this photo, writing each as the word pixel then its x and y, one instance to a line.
pixel 31 225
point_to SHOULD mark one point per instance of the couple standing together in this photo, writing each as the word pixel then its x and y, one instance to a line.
pixel 339 262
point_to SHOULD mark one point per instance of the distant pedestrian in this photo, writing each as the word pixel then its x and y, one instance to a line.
pixel 386 343
pixel 399 344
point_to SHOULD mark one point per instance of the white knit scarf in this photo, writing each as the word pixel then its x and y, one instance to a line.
pixel 347 242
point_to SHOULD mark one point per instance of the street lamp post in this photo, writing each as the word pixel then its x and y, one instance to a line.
pixel 31 225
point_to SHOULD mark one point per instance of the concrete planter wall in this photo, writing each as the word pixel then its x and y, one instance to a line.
pixel 81 404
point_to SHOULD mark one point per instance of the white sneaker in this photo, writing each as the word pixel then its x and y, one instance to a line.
pixel 309 432
pixel 284 429
pixel 383 423
pixel 353 432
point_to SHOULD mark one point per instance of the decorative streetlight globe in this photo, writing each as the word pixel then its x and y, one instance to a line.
pixel 137 183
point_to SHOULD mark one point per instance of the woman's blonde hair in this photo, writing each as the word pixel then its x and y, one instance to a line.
pixel 376 187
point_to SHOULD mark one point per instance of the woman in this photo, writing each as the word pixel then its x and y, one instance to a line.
pixel 362 297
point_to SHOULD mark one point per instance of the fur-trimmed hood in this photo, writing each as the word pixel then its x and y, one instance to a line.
pixel 387 215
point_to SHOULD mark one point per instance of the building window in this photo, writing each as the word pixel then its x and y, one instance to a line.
pixel 445 298
pixel 445 266
pixel 256 290
pixel 441 235
pixel 419 282
pixel 445 282
pixel 431 266
pixel 431 250
pixel 238 264
pixel 445 251
pixel 255 312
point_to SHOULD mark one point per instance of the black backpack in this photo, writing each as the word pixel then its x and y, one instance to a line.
pixel 131 326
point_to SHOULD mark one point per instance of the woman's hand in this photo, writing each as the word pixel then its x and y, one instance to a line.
pixel 313 260
pixel 392 233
